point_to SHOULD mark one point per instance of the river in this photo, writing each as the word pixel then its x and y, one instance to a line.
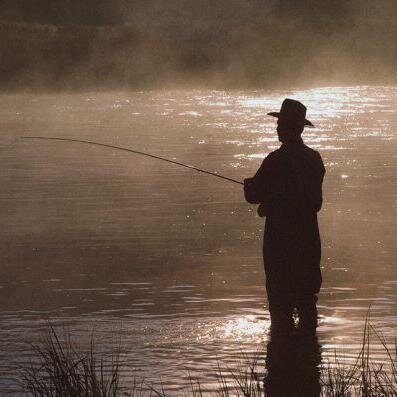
pixel 167 260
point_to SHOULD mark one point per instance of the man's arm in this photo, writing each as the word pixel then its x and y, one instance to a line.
pixel 254 188
pixel 318 193
pixel 313 191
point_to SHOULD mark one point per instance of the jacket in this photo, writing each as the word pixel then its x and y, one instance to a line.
pixel 288 189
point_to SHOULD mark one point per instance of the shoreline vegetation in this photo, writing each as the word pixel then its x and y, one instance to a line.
pixel 60 368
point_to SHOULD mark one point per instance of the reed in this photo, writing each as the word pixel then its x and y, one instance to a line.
pixel 62 370
pixel 365 377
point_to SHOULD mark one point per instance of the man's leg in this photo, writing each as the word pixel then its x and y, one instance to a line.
pixel 307 309
pixel 281 308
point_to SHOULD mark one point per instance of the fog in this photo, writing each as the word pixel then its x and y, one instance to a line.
pixel 224 44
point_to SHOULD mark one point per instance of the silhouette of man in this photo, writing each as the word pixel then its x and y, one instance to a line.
pixel 288 189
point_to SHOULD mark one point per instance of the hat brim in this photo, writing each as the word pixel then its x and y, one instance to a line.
pixel 277 114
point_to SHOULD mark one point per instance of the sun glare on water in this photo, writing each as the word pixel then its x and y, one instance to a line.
pixel 247 327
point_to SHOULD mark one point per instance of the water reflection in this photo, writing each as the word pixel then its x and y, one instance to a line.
pixel 293 353
pixel 292 364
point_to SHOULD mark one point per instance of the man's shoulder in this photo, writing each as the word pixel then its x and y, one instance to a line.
pixel 314 158
pixel 280 154
pixel 274 154
pixel 311 152
pixel 309 149
pixel 272 158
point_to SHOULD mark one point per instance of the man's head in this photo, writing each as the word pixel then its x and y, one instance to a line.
pixel 291 120
pixel 288 130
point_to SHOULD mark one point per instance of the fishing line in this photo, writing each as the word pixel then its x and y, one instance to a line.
pixel 135 152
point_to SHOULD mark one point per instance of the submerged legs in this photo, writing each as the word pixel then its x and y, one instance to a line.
pixel 293 353
pixel 282 307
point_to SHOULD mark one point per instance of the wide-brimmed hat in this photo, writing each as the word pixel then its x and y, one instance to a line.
pixel 294 111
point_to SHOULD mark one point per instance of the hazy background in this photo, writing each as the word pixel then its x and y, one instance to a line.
pixel 91 44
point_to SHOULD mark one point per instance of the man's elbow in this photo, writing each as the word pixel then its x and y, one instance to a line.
pixel 318 204
pixel 251 199
pixel 250 192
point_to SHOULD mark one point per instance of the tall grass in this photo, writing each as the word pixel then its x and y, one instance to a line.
pixel 365 377
pixel 62 370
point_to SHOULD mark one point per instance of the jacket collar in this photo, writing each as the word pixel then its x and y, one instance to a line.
pixel 292 143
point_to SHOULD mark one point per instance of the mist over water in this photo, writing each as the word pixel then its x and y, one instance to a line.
pixel 170 260
pixel 118 44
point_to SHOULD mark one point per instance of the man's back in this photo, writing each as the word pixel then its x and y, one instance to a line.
pixel 288 187
pixel 289 182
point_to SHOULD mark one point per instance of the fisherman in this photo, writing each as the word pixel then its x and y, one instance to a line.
pixel 288 189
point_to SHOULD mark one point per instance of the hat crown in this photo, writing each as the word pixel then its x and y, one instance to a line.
pixel 293 109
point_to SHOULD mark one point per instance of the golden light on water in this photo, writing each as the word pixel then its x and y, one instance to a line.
pixel 247 326
pixel 321 102
pixel 340 115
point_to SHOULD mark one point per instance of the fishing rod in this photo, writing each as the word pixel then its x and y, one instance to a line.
pixel 135 152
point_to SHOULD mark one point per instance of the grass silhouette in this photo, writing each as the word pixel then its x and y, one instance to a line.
pixel 61 369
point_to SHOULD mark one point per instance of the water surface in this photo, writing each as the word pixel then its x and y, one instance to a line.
pixel 168 260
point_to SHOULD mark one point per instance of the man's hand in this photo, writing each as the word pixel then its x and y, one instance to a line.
pixel 250 192
pixel 262 210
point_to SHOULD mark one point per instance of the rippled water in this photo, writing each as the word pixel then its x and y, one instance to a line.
pixel 169 260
